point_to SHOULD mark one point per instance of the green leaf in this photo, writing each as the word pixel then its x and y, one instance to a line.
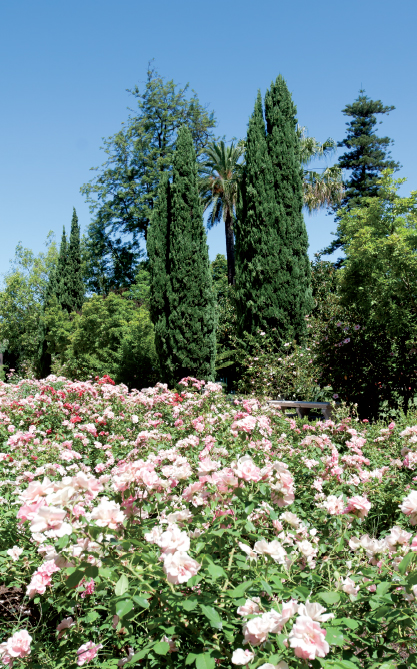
pixel 161 648
pixel 92 616
pixel 91 571
pixel 74 578
pixel 330 597
pixel 334 636
pixel 382 612
pixel 213 616
pixel 123 607
pixel 216 571
pixel 121 586
pixel 139 656
pixel 189 604
pixel 141 601
pixel 105 572
pixel 349 622
pixel 383 588
pixel 240 590
pixel 205 661
pixel 190 658
pixel 405 563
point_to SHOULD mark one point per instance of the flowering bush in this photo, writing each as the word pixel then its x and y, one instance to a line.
pixel 292 374
pixel 177 529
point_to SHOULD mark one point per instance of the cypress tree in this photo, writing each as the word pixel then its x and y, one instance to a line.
pixel 57 285
pixel 72 295
pixel 157 246
pixel 293 272
pixel 273 272
pixel 183 306
pixel 367 154
pixel 256 238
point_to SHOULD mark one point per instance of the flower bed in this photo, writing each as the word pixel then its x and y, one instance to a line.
pixel 158 529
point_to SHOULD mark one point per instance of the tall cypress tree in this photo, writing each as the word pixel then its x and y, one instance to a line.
pixel 58 281
pixel 72 295
pixel 256 237
pixel 182 298
pixel 293 277
pixel 367 154
pixel 272 267
pixel 157 247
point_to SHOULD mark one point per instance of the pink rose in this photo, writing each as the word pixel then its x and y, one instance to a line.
pixel 179 567
pixel 308 639
pixel 358 506
pixel 87 652
pixel 409 507
pixel 242 657
pixel 18 645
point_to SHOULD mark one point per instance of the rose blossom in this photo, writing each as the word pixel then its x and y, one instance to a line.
pixel 247 470
pixel 87 652
pixel 173 539
pixel 409 507
pixel 65 624
pixel 348 586
pixel 334 505
pixel 308 639
pixel 18 645
pixel 257 629
pixel 249 607
pixel 179 567
pixel 242 657
pixel 15 553
pixel 273 549
pixel 358 506
pixel 314 611
pixel 108 514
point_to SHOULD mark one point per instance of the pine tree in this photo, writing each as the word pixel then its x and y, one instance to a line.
pixel 273 272
pixel 367 154
pixel 182 298
pixel 73 297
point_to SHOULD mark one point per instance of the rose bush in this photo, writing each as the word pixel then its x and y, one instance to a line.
pixel 161 528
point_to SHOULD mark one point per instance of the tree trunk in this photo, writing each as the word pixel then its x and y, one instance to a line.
pixel 230 249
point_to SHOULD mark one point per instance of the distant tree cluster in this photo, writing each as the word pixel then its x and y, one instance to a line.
pixel 137 297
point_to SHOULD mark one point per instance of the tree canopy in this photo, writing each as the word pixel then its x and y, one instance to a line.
pixel 122 195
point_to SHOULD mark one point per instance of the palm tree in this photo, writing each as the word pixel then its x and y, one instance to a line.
pixel 320 190
pixel 220 176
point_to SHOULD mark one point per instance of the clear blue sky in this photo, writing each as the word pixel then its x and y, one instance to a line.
pixel 65 68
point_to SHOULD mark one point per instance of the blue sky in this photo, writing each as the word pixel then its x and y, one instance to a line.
pixel 65 68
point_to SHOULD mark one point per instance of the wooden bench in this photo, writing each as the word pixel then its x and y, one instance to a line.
pixel 303 408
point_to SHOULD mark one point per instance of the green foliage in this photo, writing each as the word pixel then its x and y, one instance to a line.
pixel 182 299
pixel 220 176
pixel 72 293
pixel 273 275
pixel 122 195
pixel 379 277
pixel 367 342
pixel 21 303
pixel 292 375
pixel 110 336
pixel 367 155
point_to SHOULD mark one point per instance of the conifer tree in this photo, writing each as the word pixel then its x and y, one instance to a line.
pixel 157 247
pixel 73 297
pixel 293 277
pixel 182 298
pixel 57 280
pixel 273 272
pixel 367 155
